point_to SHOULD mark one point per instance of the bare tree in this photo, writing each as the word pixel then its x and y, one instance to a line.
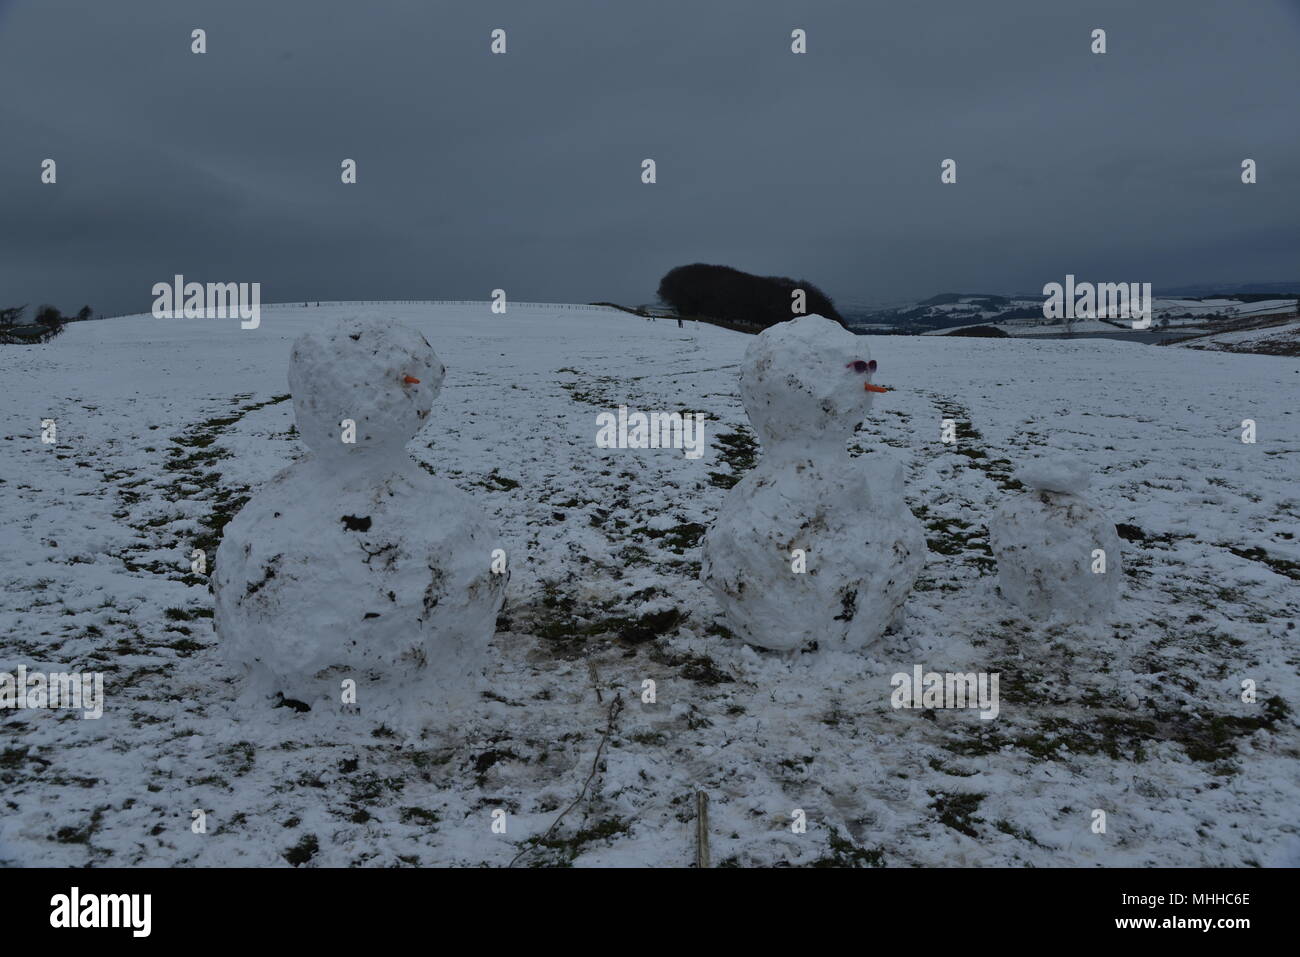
pixel 47 315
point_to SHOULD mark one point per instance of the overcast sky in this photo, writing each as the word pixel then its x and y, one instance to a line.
pixel 522 171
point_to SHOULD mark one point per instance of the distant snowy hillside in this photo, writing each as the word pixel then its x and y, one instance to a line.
pixel 1021 316
pixel 165 426
pixel 1282 339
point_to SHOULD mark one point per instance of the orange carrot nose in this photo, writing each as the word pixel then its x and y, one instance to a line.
pixel 874 388
pixel 412 380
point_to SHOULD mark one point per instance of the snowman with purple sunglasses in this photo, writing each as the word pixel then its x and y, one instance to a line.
pixel 812 548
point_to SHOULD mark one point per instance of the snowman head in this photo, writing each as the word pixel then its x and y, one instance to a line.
pixel 806 381
pixel 377 373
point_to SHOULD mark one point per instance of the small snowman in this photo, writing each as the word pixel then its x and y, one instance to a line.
pixel 1058 554
pixel 354 563
pixel 812 545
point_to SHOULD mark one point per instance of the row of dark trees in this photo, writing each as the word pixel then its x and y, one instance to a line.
pixel 47 322
pixel 723 293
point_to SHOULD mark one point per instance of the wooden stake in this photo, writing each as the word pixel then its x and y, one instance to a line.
pixel 701 829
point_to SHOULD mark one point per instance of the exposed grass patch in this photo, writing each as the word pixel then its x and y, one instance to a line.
pixel 563 850
pixel 497 483
pixel 561 620
pixel 956 537
pixel 419 815
pixel 1282 566
pixel 1206 739
pixel 676 539
pixel 844 853
pixel 957 811
pixel 739 452
pixel 303 851
pixel 970 445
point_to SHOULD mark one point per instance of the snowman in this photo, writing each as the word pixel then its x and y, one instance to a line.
pixel 354 563
pixel 1058 554
pixel 812 545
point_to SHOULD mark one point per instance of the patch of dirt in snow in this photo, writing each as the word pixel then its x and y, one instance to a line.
pixel 166 427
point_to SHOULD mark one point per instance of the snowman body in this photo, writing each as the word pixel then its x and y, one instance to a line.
pixel 811 546
pixel 1058 554
pixel 354 563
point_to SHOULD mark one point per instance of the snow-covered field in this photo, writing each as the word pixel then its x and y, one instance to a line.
pixel 1282 339
pixel 164 426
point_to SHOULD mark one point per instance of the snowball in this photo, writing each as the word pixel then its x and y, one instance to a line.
pixel 798 384
pixel 1055 472
pixel 360 370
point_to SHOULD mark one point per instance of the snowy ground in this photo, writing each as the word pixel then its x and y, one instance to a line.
pixel 1282 339
pixel 164 426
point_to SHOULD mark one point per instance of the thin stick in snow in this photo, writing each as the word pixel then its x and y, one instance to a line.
pixel 701 829
pixel 615 707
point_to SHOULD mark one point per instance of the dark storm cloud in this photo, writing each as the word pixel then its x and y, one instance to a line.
pixel 523 171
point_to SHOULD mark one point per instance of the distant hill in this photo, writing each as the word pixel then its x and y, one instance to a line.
pixel 1270 336
pixel 947 298
pixel 951 310
pixel 1271 289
